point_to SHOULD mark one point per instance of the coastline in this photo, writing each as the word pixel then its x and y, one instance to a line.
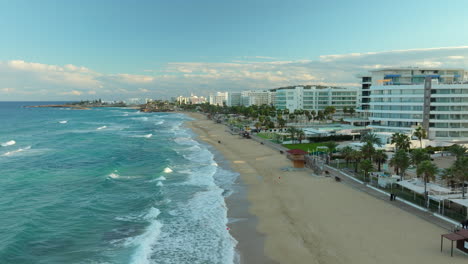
pixel 310 219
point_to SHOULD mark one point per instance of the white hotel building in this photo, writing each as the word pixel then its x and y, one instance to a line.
pixel 316 99
pixel 400 99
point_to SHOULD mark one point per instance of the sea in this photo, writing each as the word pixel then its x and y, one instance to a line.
pixel 109 185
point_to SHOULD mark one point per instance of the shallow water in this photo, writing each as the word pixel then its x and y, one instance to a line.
pixel 108 185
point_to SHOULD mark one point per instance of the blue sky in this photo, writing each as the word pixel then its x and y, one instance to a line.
pixel 164 48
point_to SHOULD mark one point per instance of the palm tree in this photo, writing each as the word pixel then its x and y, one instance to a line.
pixel 449 176
pixel 331 145
pixel 366 166
pixel 418 155
pixel 300 135
pixel 351 111
pixel 400 162
pixel 292 131
pixel 420 133
pixel 257 126
pixel 460 172
pixel 368 150
pixel 346 153
pixel 428 170
pixel 401 141
pixel 380 157
pixel 356 156
pixel 457 150
pixel 281 122
pixel 372 138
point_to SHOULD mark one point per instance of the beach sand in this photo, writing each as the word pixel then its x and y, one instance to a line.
pixel 310 219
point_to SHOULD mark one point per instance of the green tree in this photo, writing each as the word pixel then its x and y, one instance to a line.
pixel 420 133
pixel 331 148
pixel 356 157
pixel 366 166
pixel 292 131
pixel 367 150
pixel 351 111
pixel 346 153
pixel 460 171
pixel 372 138
pixel 300 135
pixel 400 162
pixel 281 122
pixel 329 111
pixel 257 126
pixel 401 141
pixel 380 157
pixel 418 155
pixel 428 170
pixel 457 150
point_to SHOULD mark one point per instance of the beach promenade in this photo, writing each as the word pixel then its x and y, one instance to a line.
pixel 311 219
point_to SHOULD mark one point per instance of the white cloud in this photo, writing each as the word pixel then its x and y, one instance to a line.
pixel 20 79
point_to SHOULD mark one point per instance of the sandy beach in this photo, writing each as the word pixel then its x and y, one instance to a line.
pixel 311 219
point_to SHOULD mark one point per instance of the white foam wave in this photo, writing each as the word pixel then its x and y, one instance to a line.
pixel 63 122
pixel 9 153
pixel 143 136
pixel 146 241
pixel 8 143
pixel 162 178
pixel 168 170
pixel 102 127
pixel 114 175
pixel 159 183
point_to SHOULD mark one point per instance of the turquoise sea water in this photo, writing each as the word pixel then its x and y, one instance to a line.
pixel 108 185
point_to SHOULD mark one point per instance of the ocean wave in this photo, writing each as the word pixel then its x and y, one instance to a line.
pixel 168 170
pixel 102 127
pixel 8 143
pixel 159 183
pixel 162 178
pixel 143 136
pixel 63 122
pixel 115 175
pixel 13 152
pixel 145 242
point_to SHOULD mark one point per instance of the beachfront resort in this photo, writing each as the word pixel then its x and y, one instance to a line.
pixel 404 132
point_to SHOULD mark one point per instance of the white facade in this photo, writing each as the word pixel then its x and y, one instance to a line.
pixel 218 98
pixel 316 98
pixel 397 101
pixel 257 98
pixel 234 99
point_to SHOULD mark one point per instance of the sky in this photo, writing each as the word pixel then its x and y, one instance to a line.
pixel 114 50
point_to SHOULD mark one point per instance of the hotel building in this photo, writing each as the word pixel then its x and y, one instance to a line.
pixel 400 99
pixel 316 99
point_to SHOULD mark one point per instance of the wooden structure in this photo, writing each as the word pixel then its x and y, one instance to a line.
pixel 461 239
pixel 297 157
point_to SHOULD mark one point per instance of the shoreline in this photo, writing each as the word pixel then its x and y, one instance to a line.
pixel 310 219
pixel 242 223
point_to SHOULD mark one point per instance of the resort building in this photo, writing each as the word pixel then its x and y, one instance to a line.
pixel 400 99
pixel 218 98
pixel 248 98
pixel 316 99
pixel 257 98
pixel 193 99
pixel 234 99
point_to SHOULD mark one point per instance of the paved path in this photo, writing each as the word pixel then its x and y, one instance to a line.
pixel 426 215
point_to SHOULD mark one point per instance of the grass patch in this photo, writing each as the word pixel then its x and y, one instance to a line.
pixel 305 146
pixel 265 135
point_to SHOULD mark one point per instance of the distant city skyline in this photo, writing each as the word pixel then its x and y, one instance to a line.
pixel 62 50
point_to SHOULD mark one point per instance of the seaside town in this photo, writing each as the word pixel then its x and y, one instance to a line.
pixel 403 134
pixel 234 132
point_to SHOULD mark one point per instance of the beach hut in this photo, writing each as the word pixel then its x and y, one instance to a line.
pixel 459 237
pixel 297 157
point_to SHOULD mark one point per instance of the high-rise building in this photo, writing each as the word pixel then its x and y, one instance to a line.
pixel 234 99
pixel 218 98
pixel 314 98
pixel 400 99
